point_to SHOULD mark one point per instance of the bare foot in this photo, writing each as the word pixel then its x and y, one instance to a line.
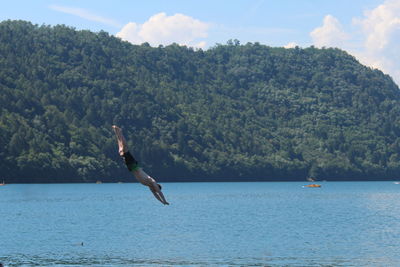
pixel 117 131
pixel 120 139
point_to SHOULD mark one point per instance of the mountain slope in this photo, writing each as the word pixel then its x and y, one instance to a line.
pixel 238 112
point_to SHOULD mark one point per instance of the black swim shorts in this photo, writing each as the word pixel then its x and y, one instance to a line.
pixel 130 161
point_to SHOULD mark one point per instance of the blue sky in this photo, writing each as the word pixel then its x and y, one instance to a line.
pixel 367 29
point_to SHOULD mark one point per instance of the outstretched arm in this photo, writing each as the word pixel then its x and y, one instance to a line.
pixel 158 194
pixel 161 195
pixel 158 197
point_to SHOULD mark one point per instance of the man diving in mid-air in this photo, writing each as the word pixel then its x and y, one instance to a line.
pixel 133 166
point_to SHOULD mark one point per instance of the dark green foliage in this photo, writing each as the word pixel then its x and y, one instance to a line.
pixel 239 112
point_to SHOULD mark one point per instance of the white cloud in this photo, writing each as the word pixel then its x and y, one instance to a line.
pixel 330 34
pixel 376 39
pixel 381 24
pixel 163 29
pixel 381 29
pixel 291 45
pixel 82 13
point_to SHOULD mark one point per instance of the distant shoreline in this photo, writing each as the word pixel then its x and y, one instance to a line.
pixel 214 181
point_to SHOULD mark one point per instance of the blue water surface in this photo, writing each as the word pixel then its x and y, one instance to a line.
pixel 207 224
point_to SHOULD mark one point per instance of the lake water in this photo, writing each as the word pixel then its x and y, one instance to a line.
pixel 207 224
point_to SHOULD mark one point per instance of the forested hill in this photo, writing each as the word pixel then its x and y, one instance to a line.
pixel 233 112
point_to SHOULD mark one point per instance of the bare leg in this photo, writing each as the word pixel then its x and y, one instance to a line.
pixel 122 145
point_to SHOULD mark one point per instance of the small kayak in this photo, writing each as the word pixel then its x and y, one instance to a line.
pixel 313 185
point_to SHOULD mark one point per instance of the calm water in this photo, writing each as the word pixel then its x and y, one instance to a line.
pixel 207 224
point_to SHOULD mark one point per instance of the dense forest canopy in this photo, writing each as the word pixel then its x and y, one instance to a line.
pixel 236 112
